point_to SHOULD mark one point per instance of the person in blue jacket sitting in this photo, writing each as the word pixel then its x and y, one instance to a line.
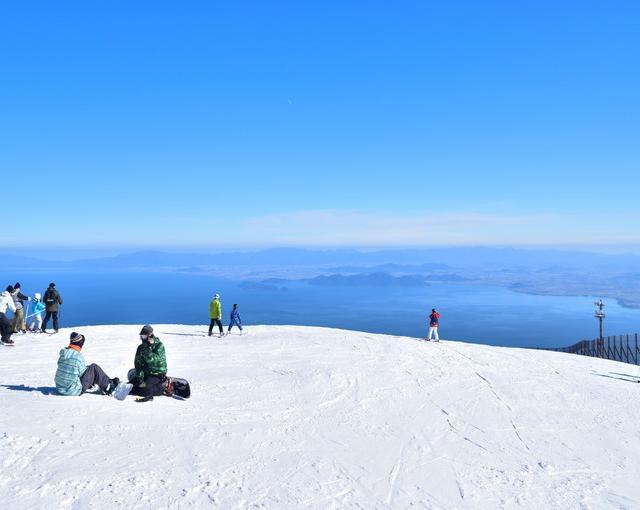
pixel 74 377
pixel 235 319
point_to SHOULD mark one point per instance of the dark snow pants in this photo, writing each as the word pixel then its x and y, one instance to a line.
pixel 153 386
pixel 6 327
pixel 213 323
pixel 94 375
pixel 46 319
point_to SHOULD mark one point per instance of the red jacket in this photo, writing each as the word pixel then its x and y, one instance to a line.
pixel 434 318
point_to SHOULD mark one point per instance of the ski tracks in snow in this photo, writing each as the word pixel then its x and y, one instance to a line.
pixel 290 417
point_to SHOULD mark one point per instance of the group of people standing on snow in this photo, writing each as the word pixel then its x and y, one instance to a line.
pixel 12 299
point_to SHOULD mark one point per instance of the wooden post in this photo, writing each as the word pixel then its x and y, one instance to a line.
pixel 628 350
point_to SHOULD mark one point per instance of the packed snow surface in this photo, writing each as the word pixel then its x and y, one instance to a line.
pixel 294 417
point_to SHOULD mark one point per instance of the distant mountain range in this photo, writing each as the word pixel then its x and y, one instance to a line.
pixel 345 260
pixel 368 280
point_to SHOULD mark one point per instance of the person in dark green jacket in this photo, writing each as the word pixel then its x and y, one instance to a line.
pixel 149 376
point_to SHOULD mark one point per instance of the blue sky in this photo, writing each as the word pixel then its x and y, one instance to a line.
pixel 320 123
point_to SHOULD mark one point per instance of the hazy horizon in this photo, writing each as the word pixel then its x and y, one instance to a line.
pixel 79 251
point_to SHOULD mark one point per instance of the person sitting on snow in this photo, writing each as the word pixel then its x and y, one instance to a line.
pixel 74 377
pixel 235 319
pixel 38 307
pixel 149 376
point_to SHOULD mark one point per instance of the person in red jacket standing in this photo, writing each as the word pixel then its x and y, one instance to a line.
pixel 434 322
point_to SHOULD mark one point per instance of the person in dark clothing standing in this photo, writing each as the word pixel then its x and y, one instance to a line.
pixel 52 301
pixel 149 376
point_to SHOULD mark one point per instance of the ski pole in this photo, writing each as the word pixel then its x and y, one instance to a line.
pixel 32 315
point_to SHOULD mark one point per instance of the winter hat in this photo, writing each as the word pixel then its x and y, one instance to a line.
pixel 37 295
pixel 51 285
pixel 77 339
pixel 10 289
pixel 146 330
pixel 17 286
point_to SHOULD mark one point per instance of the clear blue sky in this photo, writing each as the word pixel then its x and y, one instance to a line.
pixel 320 123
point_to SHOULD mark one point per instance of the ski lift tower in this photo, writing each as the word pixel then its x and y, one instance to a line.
pixel 599 314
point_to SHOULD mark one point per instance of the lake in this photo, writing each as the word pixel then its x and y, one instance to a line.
pixel 480 314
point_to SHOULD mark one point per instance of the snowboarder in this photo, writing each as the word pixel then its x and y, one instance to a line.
pixel 73 377
pixel 6 327
pixel 149 376
pixel 215 314
pixel 52 301
pixel 434 321
pixel 235 319
pixel 19 325
pixel 38 307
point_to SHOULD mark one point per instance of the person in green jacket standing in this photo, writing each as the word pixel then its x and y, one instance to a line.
pixel 215 314
pixel 149 376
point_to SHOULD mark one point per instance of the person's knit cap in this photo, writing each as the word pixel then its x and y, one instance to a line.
pixel 77 339
pixel 10 289
pixel 146 330
pixel 17 286
pixel 51 285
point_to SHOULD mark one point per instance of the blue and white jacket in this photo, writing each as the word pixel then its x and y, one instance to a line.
pixel 71 366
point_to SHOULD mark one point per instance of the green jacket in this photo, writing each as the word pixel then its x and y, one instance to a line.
pixel 215 309
pixel 150 359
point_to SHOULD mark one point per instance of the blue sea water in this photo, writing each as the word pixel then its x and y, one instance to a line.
pixel 481 314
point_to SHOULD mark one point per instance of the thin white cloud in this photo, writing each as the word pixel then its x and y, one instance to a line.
pixel 339 227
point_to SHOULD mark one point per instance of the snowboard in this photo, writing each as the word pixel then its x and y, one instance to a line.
pixel 122 390
pixel 177 387
pixel 174 386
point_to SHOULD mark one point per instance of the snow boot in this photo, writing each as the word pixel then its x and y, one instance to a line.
pixel 111 386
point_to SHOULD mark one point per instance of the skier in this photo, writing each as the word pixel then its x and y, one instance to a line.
pixel 18 318
pixel 52 301
pixel 149 376
pixel 434 321
pixel 38 308
pixel 235 319
pixel 6 327
pixel 215 314
pixel 73 377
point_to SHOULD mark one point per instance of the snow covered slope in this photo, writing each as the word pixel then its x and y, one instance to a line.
pixel 291 417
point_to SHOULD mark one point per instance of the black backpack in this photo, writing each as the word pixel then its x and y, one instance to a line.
pixel 50 297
